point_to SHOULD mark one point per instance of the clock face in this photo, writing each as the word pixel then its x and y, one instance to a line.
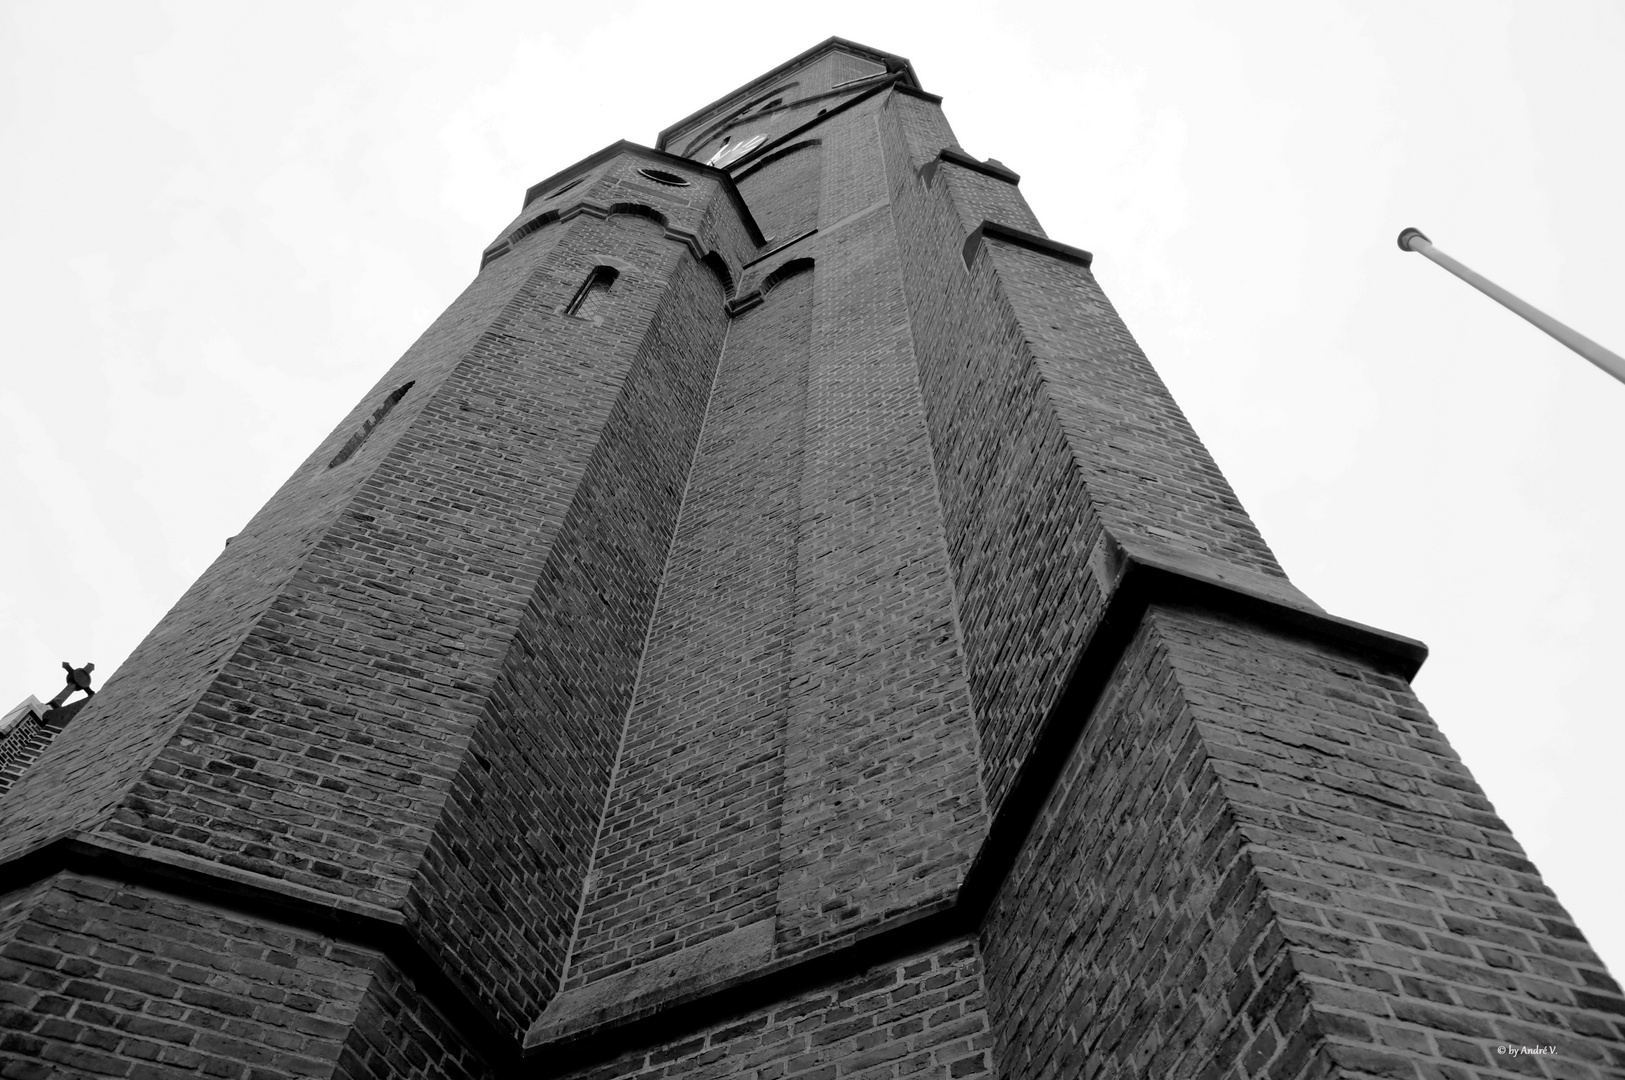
pixel 733 149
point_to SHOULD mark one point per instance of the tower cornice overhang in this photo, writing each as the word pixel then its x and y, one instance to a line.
pixel 625 147
pixel 898 65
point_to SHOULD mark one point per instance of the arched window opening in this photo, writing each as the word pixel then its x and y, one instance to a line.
pixel 720 268
pixel 540 221
pixel 588 301
pixel 639 210
pixel 785 273
pixel 354 442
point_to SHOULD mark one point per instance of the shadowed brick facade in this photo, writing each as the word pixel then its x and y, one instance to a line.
pixel 774 624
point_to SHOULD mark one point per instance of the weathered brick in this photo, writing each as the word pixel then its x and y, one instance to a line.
pixel 632 636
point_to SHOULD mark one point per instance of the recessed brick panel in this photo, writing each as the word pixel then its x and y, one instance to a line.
pixel 1020 526
pixel 925 1016
pixel 883 799
pixel 503 875
pixel 689 846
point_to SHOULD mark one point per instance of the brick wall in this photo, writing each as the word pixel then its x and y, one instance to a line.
pixel 682 659
pixel 783 194
pixel 425 714
pixel 1423 935
pixel 141 707
pixel 503 875
pixel 978 197
pixel 689 846
pixel 1127 939
pixel 1262 859
pixel 103 980
pixel 1019 523
pixel 398 1035
pixel 883 800
pixel 802 754
pixel 1049 431
pixel 925 1017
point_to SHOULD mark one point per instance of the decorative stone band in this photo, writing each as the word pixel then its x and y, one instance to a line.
pixel 590 209
pixel 739 973
pixel 992 230
pixel 366 926
pixel 660 159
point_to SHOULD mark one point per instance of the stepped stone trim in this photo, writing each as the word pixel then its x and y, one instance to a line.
pixel 351 921
pixel 688 239
pixel 955 156
pixel 660 157
pixel 992 230
pixel 735 976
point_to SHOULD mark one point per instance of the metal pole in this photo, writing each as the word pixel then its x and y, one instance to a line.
pixel 1413 240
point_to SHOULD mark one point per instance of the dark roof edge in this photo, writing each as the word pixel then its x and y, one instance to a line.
pixel 623 146
pixel 892 61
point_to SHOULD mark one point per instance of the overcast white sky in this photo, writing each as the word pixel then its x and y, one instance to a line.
pixel 222 222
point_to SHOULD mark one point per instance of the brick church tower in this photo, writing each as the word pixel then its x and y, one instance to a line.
pixel 774 624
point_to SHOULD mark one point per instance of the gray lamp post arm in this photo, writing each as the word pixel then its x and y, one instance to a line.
pixel 1413 240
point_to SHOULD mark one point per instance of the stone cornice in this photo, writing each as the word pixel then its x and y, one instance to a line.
pixel 891 62
pixel 992 230
pixel 682 236
pixel 955 156
pixel 616 149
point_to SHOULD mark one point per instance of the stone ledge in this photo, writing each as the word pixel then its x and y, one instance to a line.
pixel 629 995
pixel 992 230
pixel 200 881
pixel 659 157
pixel 955 156
pixel 712 997
pixel 1136 579
pixel 916 92
pixel 737 974
pixel 1135 576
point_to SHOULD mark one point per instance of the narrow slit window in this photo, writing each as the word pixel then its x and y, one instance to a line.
pixel 354 442
pixel 589 299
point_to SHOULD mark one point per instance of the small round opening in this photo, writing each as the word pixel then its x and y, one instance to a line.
pixel 661 176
